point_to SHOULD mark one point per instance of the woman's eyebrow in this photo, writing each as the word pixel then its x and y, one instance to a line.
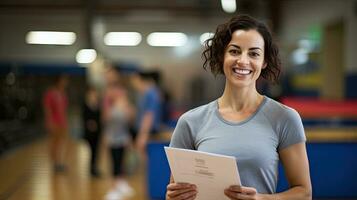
pixel 234 45
pixel 255 48
pixel 252 48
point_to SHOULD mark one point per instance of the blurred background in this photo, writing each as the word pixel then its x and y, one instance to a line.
pixel 41 39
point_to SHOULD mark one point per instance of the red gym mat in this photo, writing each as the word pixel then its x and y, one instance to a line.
pixel 315 108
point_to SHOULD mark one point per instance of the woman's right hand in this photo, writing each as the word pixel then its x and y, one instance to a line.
pixel 181 191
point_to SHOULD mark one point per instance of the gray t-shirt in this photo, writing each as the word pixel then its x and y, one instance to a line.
pixel 116 128
pixel 255 142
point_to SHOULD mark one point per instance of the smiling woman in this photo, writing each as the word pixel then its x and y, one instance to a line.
pixel 244 57
pixel 254 128
pixel 216 46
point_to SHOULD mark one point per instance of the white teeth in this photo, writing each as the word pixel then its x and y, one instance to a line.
pixel 241 71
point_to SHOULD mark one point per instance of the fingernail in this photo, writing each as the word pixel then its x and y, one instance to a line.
pixel 187 185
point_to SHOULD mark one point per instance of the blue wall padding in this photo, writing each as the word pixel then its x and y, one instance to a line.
pixel 333 168
pixel 158 175
pixel 350 86
pixel 43 69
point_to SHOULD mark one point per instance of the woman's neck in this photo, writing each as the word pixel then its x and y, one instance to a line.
pixel 240 99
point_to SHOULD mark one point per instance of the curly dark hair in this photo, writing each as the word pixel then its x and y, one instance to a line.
pixel 213 54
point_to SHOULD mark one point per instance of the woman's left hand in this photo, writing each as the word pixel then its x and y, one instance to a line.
pixel 236 192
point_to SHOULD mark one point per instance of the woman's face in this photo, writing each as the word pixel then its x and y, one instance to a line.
pixel 112 77
pixel 92 95
pixel 244 58
pixel 63 82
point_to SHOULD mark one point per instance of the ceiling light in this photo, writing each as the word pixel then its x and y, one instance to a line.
pixel 122 38
pixel 229 6
pixel 166 39
pixel 86 56
pixel 205 36
pixel 50 37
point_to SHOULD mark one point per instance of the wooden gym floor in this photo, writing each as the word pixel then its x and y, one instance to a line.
pixel 26 173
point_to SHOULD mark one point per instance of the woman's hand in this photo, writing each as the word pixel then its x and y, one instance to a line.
pixel 181 191
pixel 236 192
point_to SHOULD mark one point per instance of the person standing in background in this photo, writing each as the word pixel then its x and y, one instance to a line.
pixel 117 114
pixel 55 104
pixel 91 116
pixel 149 111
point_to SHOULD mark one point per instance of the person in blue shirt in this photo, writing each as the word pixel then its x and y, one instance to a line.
pixel 148 117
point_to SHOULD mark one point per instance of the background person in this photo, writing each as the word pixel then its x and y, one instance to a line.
pixel 149 110
pixel 117 114
pixel 91 115
pixel 55 105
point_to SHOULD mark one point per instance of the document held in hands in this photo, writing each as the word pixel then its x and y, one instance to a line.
pixel 211 173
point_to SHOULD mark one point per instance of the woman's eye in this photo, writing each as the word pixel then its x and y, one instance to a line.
pixel 254 54
pixel 233 51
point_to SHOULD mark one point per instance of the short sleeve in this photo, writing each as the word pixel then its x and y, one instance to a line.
pixel 292 130
pixel 182 135
pixel 151 102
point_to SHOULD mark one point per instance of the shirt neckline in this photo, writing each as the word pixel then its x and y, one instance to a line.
pixel 241 122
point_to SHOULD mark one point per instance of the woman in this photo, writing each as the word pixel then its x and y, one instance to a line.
pixel 116 115
pixel 55 104
pixel 254 128
pixel 92 126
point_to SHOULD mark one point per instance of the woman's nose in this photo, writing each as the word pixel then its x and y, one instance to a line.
pixel 243 60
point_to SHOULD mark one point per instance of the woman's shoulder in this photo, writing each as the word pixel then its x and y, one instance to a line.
pixel 278 110
pixel 200 112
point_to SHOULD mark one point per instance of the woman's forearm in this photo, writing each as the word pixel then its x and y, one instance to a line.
pixel 294 193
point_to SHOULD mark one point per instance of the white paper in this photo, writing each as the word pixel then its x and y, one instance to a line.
pixel 211 173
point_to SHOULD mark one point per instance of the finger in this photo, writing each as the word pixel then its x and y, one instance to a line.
pixel 174 193
pixel 185 196
pixel 242 189
pixel 192 197
pixel 248 190
pixel 178 186
pixel 230 194
pixel 235 188
pixel 242 196
pixel 238 196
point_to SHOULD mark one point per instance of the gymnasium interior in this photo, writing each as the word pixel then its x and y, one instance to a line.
pixel 318 48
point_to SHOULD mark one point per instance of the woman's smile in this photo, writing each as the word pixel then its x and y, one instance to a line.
pixel 241 72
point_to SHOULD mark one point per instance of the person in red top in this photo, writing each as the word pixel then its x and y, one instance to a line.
pixel 55 105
